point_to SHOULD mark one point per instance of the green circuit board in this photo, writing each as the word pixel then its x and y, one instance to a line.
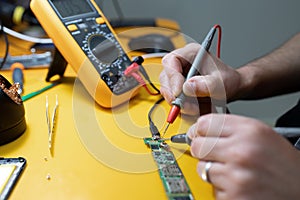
pixel 171 175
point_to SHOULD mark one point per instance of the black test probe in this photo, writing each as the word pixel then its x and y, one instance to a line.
pixel 287 132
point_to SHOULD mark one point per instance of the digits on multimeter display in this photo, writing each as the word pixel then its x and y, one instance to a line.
pixel 69 8
pixel 84 37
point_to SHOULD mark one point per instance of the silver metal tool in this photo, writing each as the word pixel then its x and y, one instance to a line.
pixel 51 125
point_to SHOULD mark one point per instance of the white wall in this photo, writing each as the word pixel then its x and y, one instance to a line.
pixel 250 30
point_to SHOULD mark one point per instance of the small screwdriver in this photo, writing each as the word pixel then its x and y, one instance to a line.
pixel 18 77
pixel 287 132
pixel 177 104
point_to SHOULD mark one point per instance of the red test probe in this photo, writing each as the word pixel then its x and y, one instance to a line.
pixel 177 104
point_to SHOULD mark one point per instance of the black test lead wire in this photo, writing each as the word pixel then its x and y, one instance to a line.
pixel 134 68
pixel 139 60
pixel 144 73
pixel 153 128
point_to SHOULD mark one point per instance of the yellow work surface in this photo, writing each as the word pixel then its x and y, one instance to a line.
pixel 97 153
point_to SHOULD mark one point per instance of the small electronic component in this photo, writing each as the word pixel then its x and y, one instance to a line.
pixel 172 177
pixel 10 170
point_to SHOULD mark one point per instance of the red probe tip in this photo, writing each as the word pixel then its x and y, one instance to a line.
pixel 173 114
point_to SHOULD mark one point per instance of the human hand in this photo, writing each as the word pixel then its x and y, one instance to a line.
pixel 217 80
pixel 249 160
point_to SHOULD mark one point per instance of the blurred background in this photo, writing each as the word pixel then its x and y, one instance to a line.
pixel 250 29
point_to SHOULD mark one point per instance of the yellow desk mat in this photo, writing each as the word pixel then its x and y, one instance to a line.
pixel 97 153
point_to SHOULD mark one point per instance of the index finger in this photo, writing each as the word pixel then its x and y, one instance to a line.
pixel 208 138
pixel 181 57
pixel 176 65
pixel 210 125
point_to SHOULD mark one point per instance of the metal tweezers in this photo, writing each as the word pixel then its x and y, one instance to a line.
pixel 51 128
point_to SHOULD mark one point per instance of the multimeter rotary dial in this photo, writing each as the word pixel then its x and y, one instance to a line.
pixel 110 60
pixel 104 48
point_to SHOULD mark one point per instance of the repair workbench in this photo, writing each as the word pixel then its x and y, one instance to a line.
pixel 98 153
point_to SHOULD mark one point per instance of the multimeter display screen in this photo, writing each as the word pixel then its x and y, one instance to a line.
pixel 69 8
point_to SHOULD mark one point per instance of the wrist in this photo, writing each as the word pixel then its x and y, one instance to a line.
pixel 247 82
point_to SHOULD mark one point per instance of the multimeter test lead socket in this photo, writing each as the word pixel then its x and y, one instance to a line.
pixel 287 132
pixel 177 104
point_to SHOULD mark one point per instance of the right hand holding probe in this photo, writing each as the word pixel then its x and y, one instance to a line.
pixel 194 70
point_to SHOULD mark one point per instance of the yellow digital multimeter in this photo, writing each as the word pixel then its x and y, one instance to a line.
pixel 84 37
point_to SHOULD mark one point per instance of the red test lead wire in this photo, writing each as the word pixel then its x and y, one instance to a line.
pixel 133 70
